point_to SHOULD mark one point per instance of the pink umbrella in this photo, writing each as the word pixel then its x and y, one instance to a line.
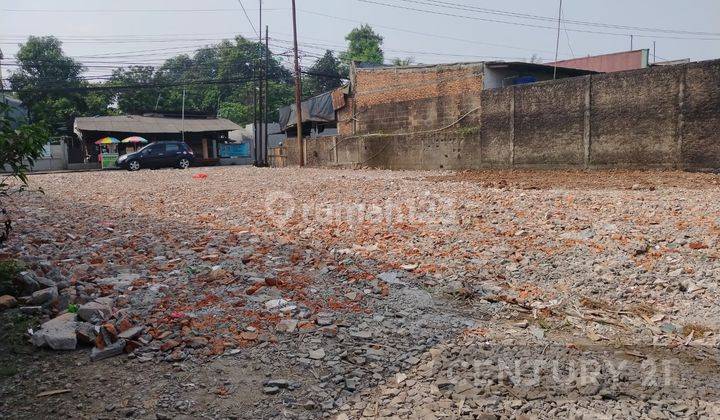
pixel 134 140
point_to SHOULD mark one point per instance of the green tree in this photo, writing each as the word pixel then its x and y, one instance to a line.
pixel 98 102
pixel 235 65
pixel 323 76
pixel 364 45
pixel 20 145
pixel 219 78
pixel 236 111
pixel 47 82
pixel 134 101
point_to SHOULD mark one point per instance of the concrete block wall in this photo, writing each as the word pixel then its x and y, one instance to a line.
pixel 657 117
pixel 700 122
pixel 549 123
pixel 495 141
pixel 57 159
pixel 634 116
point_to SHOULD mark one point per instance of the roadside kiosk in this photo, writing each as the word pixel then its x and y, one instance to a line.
pixel 108 152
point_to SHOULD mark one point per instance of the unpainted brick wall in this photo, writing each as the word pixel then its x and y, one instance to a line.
pixel 400 99
pixel 656 117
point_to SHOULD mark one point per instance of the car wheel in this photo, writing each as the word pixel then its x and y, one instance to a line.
pixel 134 165
pixel 184 163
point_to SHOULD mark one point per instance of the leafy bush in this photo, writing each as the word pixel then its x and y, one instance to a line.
pixel 9 270
pixel 20 145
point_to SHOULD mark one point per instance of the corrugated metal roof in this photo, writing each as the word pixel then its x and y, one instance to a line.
pixel 143 124
pixel 319 108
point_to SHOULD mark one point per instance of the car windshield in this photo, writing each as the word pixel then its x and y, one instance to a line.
pixel 145 147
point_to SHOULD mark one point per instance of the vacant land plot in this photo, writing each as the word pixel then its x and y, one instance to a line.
pixel 303 293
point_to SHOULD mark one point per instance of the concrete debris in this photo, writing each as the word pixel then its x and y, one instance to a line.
pixel 115 349
pixel 317 354
pixel 271 390
pixel 44 296
pixel 31 310
pixel 131 333
pixel 58 333
pixel 276 304
pixel 28 282
pixel 287 325
pixel 94 312
pixel 227 311
pixel 363 335
pixel 324 319
pixel 86 333
pixel 390 277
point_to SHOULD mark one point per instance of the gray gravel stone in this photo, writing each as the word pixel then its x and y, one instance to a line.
pixel 44 296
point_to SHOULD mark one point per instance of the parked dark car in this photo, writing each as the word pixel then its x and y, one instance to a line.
pixel 162 154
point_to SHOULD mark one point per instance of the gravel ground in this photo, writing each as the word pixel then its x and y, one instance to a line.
pixel 312 293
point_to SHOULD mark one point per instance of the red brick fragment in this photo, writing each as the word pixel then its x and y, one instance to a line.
pixel 170 344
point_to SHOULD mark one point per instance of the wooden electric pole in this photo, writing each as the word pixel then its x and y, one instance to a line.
pixel 259 138
pixel 298 90
pixel 267 95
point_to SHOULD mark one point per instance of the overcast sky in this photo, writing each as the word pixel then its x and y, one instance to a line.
pixel 146 31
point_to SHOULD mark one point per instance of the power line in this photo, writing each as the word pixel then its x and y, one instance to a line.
pixel 248 18
pixel 414 52
pixel 527 25
pixel 326 75
pixel 126 10
pixel 136 86
pixel 129 41
pixel 277 43
pixel 435 3
pixel 458 6
pixel 426 34
pixel 424 53
pixel 567 36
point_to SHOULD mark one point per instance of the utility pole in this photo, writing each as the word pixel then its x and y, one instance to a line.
pixel 557 42
pixel 260 88
pixel 631 41
pixel 267 95
pixel 182 123
pixel 255 123
pixel 654 51
pixel 2 85
pixel 298 90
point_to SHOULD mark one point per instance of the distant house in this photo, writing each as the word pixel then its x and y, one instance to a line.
pixel 18 112
pixel 318 116
pixel 609 63
pixel 498 74
pixel 203 134
pixel 247 134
